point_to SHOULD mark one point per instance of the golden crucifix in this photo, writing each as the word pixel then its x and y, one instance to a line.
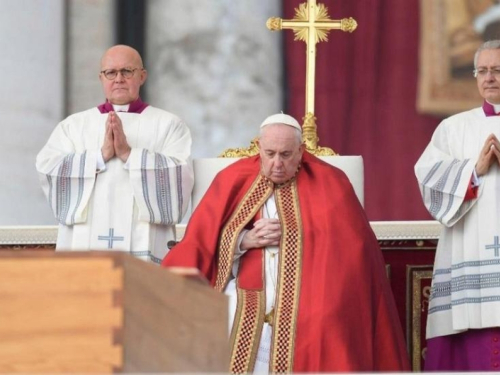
pixel 311 24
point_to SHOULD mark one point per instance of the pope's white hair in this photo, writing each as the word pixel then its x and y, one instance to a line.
pixel 297 132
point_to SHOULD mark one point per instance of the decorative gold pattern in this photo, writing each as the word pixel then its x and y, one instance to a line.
pixel 274 23
pixel 247 329
pixel 260 190
pixel 417 305
pixel 287 299
pixel 348 24
pixel 310 138
pixel 252 150
pixel 320 15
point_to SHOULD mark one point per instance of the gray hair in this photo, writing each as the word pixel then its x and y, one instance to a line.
pixel 490 44
pixel 298 133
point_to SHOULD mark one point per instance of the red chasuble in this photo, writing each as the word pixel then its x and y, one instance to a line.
pixel 334 306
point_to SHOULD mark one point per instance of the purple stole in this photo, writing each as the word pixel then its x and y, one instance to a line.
pixel 137 106
pixel 489 110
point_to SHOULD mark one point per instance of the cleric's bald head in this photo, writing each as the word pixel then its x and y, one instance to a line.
pixel 130 53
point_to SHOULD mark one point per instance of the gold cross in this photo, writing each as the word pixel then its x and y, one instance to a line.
pixel 311 24
pixel 269 317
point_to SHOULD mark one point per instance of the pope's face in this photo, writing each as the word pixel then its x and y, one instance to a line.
pixel 121 90
pixel 489 84
pixel 280 152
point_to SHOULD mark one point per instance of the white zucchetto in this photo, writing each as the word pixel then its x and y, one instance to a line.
pixel 281 118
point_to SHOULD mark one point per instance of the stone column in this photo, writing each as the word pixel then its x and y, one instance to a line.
pixel 32 92
pixel 91 31
pixel 216 65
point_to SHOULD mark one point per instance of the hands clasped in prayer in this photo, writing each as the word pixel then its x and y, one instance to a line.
pixel 489 154
pixel 265 232
pixel 115 141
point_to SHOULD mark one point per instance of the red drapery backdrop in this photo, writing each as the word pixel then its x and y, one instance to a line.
pixel 366 89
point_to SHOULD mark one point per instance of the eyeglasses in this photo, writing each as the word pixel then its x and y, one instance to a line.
pixel 483 72
pixel 126 73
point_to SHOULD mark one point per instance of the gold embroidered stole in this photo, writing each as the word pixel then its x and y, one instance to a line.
pixel 250 311
pixel 251 203
pixel 290 267
pixel 248 319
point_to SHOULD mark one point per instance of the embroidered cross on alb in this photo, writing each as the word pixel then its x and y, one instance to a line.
pixel 110 238
pixel 495 245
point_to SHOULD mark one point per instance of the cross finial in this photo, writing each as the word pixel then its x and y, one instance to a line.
pixel 311 25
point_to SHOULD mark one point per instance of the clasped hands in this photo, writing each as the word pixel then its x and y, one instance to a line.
pixel 490 153
pixel 265 232
pixel 115 141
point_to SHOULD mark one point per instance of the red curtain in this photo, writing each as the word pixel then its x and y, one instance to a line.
pixel 366 89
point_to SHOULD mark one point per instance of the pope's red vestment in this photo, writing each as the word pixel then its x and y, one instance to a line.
pixel 334 306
